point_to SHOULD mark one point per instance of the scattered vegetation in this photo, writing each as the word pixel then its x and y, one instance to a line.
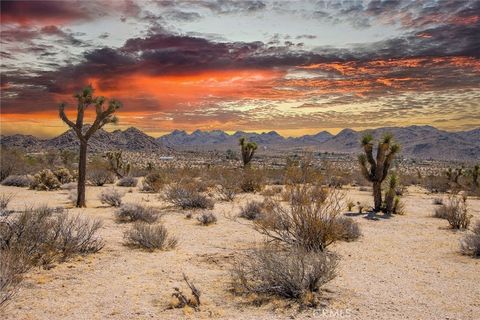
pixel 470 244
pixel 253 210
pixel 226 185
pixel 130 212
pixel 112 197
pixel 186 196
pixel 455 212
pixel 150 237
pixel 45 180
pixel 252 180
pixel 349 229
pixel 117 165
pixel 293 274
pixel 207 218
pixel 18 181
pixel 63 175
pixel 99 177
pixel 127 182
pixel 182 300
pixel 4 201
pixel 153 182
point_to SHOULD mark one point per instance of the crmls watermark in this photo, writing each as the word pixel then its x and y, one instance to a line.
pixel 333 313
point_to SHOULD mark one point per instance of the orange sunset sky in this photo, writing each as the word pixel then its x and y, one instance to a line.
pixel 294 67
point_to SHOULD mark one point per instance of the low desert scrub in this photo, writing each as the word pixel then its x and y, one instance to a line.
pixel 252 180
pixel 187 197
pixel 207 218
pixel 5 199
pixel 99 176
pixel 45 180
pixel 292 274
pixel 127 182
pixel 10 276
pixel 226 185
pixel 437 201
pixel 153 182
pixel 149 237
pixel 252 210
pixel 350 205
pixel 112 197
pixel 18 181
pixel 349 228
pixel 131 212
pixel 44 235
pixel 470 244
pixel 307 221
pixel 69 186
pixel 455 212
pixel 183 301
pixel 63 175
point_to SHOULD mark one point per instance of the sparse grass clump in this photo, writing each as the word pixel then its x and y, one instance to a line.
pixel 308 221
pixel 21 181
pixel 10 276
pixel 153 182
pixel 293 274
pixel 470 244
pixel 207 218
pixel 112 197
pixel 226 186
pixel 127 182
pixel 187 197
pixel 130 212
pixel 455 212
pixel 4 201
pixel 252 210
pixel 150 237
pixel 253 180
pixel 45 180
pixel 99 176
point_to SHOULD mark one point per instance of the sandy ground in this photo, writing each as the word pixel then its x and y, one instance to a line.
pixel 406 267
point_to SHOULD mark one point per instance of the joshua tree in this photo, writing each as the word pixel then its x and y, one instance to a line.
pixel 117 165
pixel 475 171
pixel 104 115
pixel 454 175
pixel 248 150
pixel 376 170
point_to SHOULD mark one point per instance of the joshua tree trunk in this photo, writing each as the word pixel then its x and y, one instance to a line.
pixel 103 117
pixel 82 173
pixel 377 196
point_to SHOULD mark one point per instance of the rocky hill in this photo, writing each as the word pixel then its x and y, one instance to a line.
pixel 424 142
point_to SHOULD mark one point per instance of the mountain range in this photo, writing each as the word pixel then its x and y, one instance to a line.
pixel 423 142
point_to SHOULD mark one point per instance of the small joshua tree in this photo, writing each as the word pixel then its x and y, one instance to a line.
pixel 474 173
pixel 376 170
pixel 248 150
pixel 117 165
pixel 104 115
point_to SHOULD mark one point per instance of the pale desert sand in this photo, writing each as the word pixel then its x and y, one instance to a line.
pixel 406 267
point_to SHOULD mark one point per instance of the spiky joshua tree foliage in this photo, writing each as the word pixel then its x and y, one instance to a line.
pixel 117 165
pixel 248 150
pixel 375 169
pixel 104 115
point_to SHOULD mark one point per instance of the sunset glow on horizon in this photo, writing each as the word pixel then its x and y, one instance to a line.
pixel 292 67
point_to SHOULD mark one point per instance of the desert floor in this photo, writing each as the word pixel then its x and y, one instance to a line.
pixel 405 267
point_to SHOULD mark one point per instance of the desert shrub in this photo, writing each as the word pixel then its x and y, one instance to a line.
pixel 43 235
pixel 150 237
pixel 112 197
pixel 100 176
pixel 292 274
pixel 12 162
pixel 182 300
pixel 131 212
pixel 4 201
pixel 127 182
pixel 455 212
pixel 153 182
pixel 69 186
pixel 350 205
pixel 207 218
pixel 349 229
pixel 437 201
pixel 252 180
pixel 18 181
pixel 226 185
pixel 10 276
pixel 398 206
pixel 307 221
pixel 45 180
pixel 252 210
pixel 470 244
pixel 436 184
pixel 186 197
pixel 63 175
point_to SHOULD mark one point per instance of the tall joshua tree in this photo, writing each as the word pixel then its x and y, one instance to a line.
pixel 104 115
pixel 376 169
pixel 248 150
